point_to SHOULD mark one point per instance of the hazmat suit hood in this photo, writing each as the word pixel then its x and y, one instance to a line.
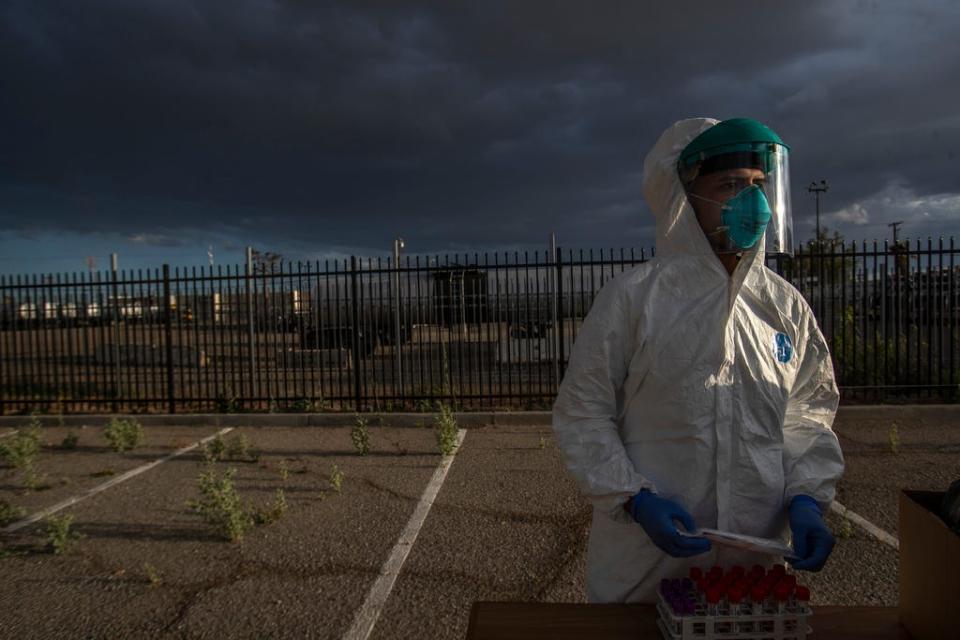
pixel 678 232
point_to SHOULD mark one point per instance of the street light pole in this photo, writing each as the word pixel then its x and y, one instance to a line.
pixel 397 245
pixel 817 190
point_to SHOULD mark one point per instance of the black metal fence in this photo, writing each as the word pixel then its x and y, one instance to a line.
pixel 483 331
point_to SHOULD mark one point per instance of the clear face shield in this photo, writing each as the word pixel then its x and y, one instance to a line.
pixel 743 194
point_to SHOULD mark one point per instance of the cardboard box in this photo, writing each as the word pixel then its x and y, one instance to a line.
pixel 929 568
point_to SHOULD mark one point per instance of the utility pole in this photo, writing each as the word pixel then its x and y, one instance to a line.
pixel 816 189
pixel 895 226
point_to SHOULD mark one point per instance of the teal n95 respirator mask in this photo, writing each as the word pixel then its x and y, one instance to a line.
pixel 752 162
pixel 744 219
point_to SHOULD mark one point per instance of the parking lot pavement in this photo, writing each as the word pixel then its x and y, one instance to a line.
pixel 303 575
pixel 508 524
pixel 889 451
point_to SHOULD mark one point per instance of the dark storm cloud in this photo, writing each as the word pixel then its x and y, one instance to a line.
pixel 468 125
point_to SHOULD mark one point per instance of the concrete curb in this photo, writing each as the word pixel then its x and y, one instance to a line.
pixel 464 419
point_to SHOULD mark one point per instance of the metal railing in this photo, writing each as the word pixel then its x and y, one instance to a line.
pixel 485 331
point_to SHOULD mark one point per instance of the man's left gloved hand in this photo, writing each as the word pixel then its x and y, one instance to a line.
pixel 812 541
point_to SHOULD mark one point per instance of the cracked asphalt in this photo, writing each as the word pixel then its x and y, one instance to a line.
pixel 508 524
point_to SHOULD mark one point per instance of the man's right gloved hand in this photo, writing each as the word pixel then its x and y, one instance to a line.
pixel 656 515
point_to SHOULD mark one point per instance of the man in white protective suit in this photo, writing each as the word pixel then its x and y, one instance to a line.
pixel 699 391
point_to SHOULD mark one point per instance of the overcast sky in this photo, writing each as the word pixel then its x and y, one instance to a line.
pixel 159 128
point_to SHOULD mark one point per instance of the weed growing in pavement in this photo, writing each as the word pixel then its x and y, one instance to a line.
pixel 219 504
pixel 123 434
pixel 9 513
pixel 70 440
pixel 360 435
pixel 238 448
pixel 20 450
pixel 846 527
pixel 543 442
pixel 214 449
pixel 284 470
pixel 445 426
pixel 60 533
pixel 336 478
pixel 153 575
pixel 103 473
pixel 276 510
pixel 894 438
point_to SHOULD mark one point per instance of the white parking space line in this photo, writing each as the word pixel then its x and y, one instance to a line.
pixel 26 522
pixel 866 525
pixel 368 614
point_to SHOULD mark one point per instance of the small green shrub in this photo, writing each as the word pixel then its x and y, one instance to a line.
pixel 238 448
pixel 219 504
pixel 360 435
pixel 214 449
pixel 445 426
pixel 276 510
pixel 60 533
pixel 227 401
pixel 304 405
pixel 336 478
pixel 20 450
pixel 894 439
pixel 153 575
pixel 846 527
pixel 123 434
pixel 70 440
pixel 10 513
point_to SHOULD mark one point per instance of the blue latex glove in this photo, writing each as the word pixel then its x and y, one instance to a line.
pixel 656 515
pixel 812 541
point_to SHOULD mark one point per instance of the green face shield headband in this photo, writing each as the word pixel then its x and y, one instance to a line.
pixel 744 216
pixel 741 143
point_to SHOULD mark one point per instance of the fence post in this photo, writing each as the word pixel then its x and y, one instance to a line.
pixel 254 392
pixel 168 337
pixel 355 322
pixel 560 334
pixel 116 335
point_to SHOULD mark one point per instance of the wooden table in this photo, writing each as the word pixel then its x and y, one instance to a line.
pixel 559 621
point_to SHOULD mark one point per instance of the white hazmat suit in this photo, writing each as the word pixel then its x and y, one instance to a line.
pixel 713 391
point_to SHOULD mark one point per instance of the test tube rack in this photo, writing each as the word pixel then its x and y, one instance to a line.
pixel 695 619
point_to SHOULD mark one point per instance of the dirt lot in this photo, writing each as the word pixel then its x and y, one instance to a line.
pixel 507 524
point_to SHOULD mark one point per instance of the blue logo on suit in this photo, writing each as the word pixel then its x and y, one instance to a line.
pixel 783 347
